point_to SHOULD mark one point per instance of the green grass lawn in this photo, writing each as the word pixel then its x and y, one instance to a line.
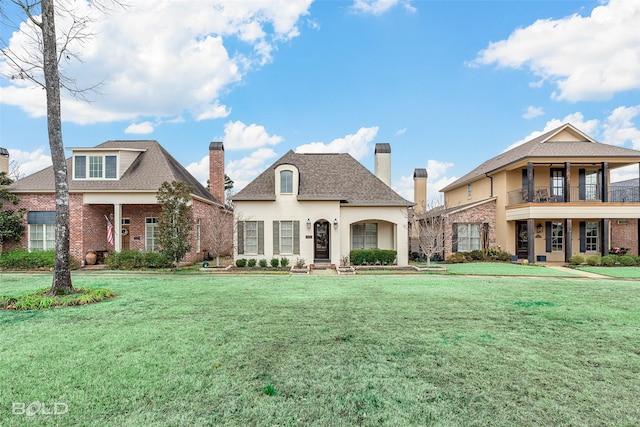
pixel 505 269
pixel 441 350
pixel 618 272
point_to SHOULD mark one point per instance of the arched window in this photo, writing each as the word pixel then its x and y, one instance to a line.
pixel 286 182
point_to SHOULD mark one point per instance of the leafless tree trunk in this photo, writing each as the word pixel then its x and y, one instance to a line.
pixel 222 233
pixel 428 230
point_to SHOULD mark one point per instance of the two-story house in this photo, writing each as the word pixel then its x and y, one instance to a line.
pixel 547 199
pixel 318 207
pixel 116 183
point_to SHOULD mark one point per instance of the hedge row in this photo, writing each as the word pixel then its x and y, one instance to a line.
pixel 132 259
pixel 627 260
pixel 373 256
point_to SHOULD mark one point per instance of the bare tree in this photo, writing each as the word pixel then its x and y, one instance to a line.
pixel 42 66
pixel 222 229
pixel 428 226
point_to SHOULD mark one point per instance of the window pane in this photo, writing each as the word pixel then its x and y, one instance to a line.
pixel 591 237
pixel 151 233
pixel 80 167
pixel 286 182
pixel 110 166
pixel 557 237
pixel 370 236
pixel 286 237
pixel 357 236
pixel 251 237
pixel 95 166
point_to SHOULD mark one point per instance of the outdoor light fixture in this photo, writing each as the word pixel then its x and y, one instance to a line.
pixel 539 228
pixel 308 223
pixel 335 222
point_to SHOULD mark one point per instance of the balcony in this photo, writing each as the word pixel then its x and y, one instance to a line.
pixel 584 194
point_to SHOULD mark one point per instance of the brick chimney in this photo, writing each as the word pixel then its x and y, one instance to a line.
pixel 420 190
pixel 4 160
pixel 383 162
pixel 216 170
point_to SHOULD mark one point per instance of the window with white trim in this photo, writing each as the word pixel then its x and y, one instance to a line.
pixel 591 236
pixel 151 233
pixel 364 236
pixel 250 237
pixel 557 237
pixel 42 225
pixel 468 237
pixel 286 237
pixel 97 167
pixel 286 182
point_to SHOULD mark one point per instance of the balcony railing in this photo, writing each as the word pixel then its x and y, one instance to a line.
pixel 586 194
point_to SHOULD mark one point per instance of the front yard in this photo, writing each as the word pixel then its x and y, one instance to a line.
pixel 325 350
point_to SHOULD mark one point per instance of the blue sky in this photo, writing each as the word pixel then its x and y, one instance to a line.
pixel 448 84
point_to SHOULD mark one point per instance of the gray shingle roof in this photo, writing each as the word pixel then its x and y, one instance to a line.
pixel 326 177
pixel 147 173
pixel 540 148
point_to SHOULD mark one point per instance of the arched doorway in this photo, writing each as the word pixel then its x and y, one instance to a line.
pixel 321 237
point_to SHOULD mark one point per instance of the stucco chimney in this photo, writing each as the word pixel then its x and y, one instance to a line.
pixel 383 162
pixel 4 160
pixel 216 170
pixel 420 190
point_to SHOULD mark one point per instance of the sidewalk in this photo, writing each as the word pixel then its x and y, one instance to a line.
pixel 577 272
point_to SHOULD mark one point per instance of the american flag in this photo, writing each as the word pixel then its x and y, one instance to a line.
pixel 109 231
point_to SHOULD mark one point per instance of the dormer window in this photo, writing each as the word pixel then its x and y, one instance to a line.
pixel 286 182
pixel 95 167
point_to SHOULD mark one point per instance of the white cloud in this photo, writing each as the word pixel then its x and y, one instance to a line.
pixel 140 128
pixel 620 129
pixel 436 180
pixel 200 170
pixel 163 58
pixel 357 145
pixel 378 7
pixel 401 131
pixel 243 171
pixel 623 174
pixel 238 136
pixel 29 162
pixel 533 112
pixel 599 55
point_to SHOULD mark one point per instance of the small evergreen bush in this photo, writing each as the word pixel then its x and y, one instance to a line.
pixel 476 255
pixel 593 260
pixel 609 260
pixel 131 259
pixel 275 262
pixel 284 262
pixel 262 263
pixel 457 258
pixel 252 262
pixel 627 260
pixel 242 262
pixel 576 260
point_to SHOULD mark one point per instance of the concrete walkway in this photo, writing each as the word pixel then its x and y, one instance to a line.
pixel 578 272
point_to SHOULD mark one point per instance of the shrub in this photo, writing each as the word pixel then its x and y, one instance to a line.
pixel 299 263
pixel 593 260
pixel 576 260
pixel 609 260
pixel 627 260
pixel 476 255
pixel 497 254
pixel 242 262
pixel 275 262
pixel 372 256
pixel 130 259
pixel 284 262
pixel 456 258
pixel 252 262
pixel 19 259
pixel 262 263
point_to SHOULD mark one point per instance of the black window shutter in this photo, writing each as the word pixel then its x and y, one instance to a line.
pixel 485 235
pixel 276 237
pixel 240 237
pixel 548 235
pixel 454 237
pixel 261 237
pixel 296 237
pixel 582 184
pixel 583 237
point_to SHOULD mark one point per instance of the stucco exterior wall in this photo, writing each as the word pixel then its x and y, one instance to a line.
pixel 480 190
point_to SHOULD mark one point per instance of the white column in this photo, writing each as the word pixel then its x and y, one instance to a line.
pixel 117 226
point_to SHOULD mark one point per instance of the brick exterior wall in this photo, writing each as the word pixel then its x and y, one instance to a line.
pixel 625 235
pixel 216 170
pixel 88 226
pixel 481 214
